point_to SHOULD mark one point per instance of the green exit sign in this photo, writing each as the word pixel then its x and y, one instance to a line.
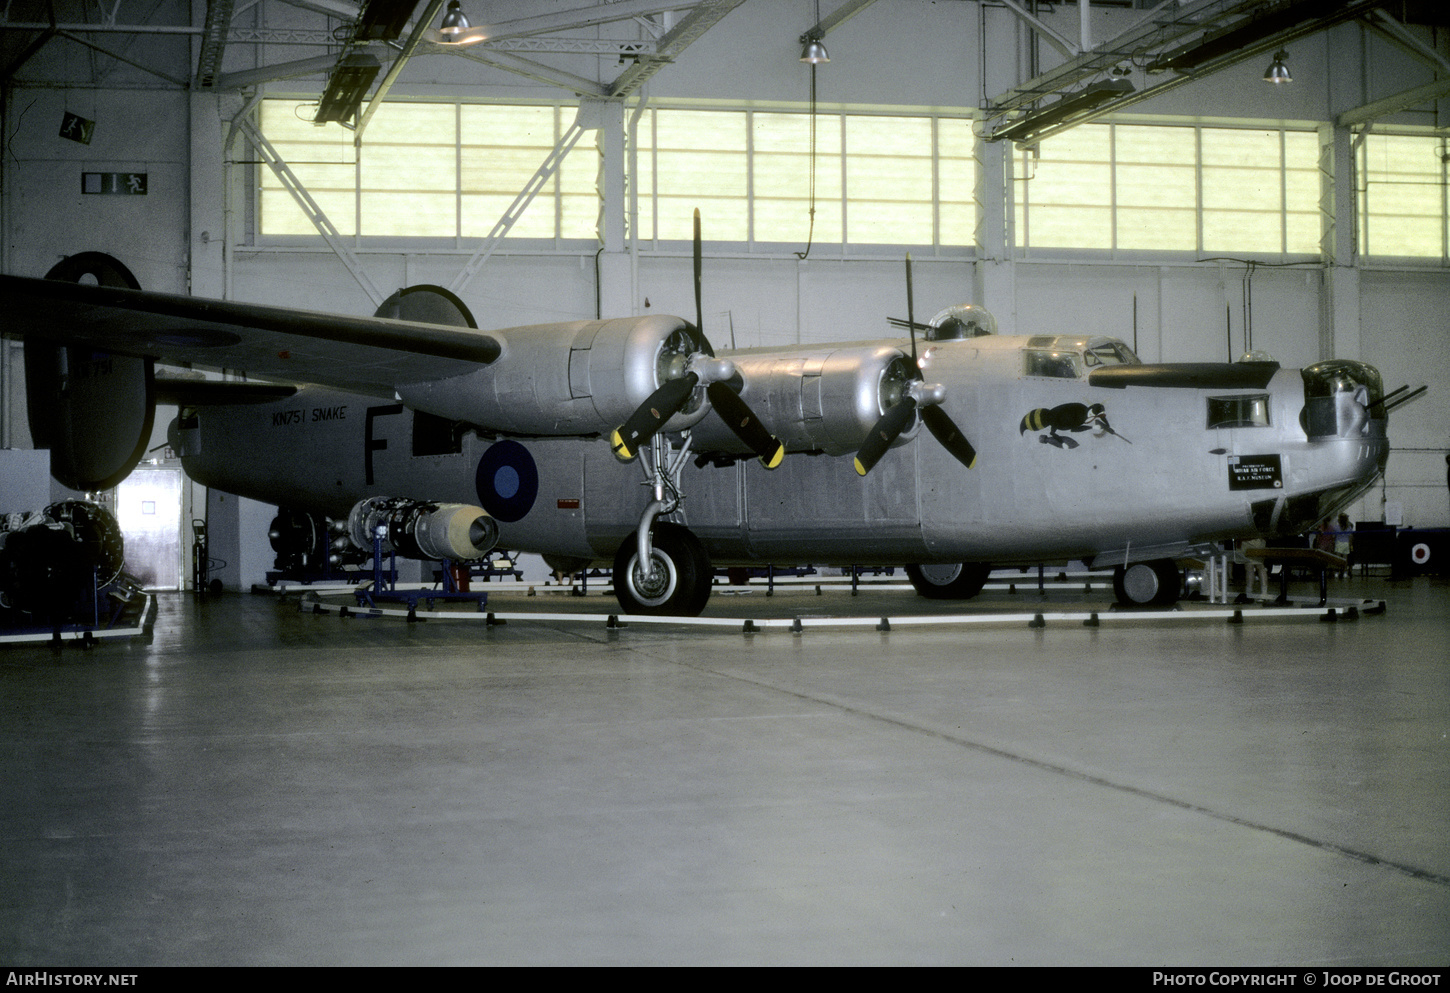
pixel 126 184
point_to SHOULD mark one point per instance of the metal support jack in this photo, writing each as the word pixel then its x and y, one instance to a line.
pixel 385 584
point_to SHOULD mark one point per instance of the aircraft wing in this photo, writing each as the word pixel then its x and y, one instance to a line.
pixel 362 354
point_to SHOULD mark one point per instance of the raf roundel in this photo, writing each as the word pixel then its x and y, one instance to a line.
pixel 508 481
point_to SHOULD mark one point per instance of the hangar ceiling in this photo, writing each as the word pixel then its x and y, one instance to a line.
pixel 242 44
pixel 609 48
pixel 1178 41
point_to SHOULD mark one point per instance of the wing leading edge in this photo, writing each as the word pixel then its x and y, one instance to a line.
pixel 365 354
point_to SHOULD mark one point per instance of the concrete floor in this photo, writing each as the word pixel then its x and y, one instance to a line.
pixel 256 785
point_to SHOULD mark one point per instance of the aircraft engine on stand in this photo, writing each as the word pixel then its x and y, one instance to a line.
pixel 420 529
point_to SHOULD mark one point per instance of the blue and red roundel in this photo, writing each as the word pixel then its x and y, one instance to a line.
pixel 508 481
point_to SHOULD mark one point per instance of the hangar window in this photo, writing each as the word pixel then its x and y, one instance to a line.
pixel 1248 411
pixel 450 170
pixel 1402 199
pixel 427 170
pixel 1127 187
pixel 878 180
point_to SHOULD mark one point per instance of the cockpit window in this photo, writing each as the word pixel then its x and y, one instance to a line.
pixel 1247 411
pixel 1054 364
pixel 1109 353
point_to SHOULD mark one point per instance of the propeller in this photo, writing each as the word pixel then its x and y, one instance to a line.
pixel 674 394
pixel 915 394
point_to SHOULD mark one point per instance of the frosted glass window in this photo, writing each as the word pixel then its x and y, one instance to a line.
pixel 500 150
pixel 429 170
pixel 1155 195
pixel 1171 188
pixel 889 180
pixel 450 170
pixel 324 161
pixel 1303 214
pixel 1243 194
pixel 1067 190
pixel 782 177
pixel 957 206
pixel 699 161
pixel 1402 200
pixel 877 178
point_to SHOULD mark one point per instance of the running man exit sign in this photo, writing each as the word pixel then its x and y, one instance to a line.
pixel 114 183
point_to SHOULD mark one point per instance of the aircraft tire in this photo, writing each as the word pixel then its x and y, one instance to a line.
pixel 1148 584
pixel 953 581
pixel 684 585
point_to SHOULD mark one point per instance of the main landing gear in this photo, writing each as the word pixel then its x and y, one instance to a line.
pixel 1148 584
pixel 952 581
pixel 663 568
pixel 677 581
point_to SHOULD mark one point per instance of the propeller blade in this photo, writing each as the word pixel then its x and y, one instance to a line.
pixel 945 430
pixel 738 417
pixel 699 309
pixel 911 318
pixel 883 433
pixel 644 423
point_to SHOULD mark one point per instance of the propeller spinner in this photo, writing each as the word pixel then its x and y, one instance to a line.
pixel 915 395
pixel 674 394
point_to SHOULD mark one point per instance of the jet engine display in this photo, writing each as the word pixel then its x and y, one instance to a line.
pixel 421 530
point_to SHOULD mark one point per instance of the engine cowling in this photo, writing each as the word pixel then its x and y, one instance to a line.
pixel 583 378
pixel 93 410
pixel 420 529
pixel 824 400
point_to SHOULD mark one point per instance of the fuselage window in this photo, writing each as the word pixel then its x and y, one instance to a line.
pixel 1109 353
pixel 1250 411
pixel 1053 364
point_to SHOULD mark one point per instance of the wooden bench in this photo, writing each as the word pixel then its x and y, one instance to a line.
pixel 1288 558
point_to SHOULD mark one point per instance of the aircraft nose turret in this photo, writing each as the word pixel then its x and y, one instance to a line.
pixel 1342 399
pixel 1344 420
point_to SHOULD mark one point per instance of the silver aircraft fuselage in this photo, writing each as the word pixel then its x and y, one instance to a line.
pixel 1073 463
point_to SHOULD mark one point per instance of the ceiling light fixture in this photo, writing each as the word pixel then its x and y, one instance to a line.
pixel 814 50
pixel 1278 72
pixel 455 28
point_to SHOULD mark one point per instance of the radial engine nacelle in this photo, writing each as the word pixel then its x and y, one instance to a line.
pixel 825 399
pixel 419 529
pixel 568 379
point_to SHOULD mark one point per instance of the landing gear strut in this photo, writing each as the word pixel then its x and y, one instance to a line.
pixel 663 568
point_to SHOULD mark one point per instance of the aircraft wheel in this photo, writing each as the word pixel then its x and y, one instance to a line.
pixel 952 581
pixel 679 584
pixel 1148 584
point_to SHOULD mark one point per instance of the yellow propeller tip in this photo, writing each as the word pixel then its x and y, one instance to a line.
pixel 860 469
pixel 619 448
pixel 775 458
